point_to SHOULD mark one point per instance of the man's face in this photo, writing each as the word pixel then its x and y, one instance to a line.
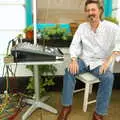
pixel 93 12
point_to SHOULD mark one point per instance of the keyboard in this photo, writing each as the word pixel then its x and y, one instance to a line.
pixel 30 52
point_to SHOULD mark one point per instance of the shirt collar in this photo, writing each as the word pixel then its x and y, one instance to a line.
pixel 98 28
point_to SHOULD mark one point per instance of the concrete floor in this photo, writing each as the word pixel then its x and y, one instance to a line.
pixel 77 113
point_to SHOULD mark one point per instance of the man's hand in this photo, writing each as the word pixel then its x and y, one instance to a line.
pixel 107 63
pixel 73 67
pixel 103 68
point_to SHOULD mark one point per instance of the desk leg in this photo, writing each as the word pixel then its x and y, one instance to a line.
pixel 37 103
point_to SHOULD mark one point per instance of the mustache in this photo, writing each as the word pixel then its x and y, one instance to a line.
pixel 91 16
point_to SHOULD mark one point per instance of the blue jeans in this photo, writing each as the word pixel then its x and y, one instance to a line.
pixel 104 89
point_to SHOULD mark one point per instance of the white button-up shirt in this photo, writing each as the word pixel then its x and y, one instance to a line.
pixel 94 47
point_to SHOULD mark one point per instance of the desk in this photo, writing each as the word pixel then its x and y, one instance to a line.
pixel 36 103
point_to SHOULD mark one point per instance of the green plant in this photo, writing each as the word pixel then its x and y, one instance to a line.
pixel 19 36
pixel 47 74
pixel 55 33
pixel 112 19
pixel 28 28
pixel 29 32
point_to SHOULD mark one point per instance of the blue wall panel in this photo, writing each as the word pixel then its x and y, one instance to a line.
pixel 29 19
pixel 107 8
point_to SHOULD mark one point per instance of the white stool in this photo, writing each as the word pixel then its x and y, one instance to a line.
pixel 89 80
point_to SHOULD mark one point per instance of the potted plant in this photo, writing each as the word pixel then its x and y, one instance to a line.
pixel 73 27
pixel 47 73
pixel 29 32
pixel 55 36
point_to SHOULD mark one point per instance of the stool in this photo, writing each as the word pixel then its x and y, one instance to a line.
pixel 89 80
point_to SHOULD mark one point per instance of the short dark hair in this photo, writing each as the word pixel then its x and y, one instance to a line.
pixel 99 4
pixel 93 1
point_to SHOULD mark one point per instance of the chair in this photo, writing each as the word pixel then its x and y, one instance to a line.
pixel 89 80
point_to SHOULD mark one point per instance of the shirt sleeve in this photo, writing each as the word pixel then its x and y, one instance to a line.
pixel 117 39
pixel 76 46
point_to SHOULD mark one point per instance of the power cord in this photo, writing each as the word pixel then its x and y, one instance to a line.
pixel 5 74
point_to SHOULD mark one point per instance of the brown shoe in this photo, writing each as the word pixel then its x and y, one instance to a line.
pixel 97 116
pixel 64 113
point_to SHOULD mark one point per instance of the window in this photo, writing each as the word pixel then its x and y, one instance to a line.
pixel 12 22
pixel 11 1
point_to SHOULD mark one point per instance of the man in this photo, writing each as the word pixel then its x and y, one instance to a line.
pixel 95 43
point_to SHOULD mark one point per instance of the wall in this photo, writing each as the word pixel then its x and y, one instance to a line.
pixel 12 22
pixel 118 11
pixel 60 11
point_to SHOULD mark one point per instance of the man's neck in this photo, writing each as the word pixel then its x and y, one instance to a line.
pixel 94 25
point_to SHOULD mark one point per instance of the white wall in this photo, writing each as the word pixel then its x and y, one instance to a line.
pixel 12 22
pixel 116 9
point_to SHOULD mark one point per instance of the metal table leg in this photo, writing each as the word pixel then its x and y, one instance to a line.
pixel 36 103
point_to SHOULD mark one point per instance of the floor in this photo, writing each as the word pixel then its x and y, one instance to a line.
pixel 77 113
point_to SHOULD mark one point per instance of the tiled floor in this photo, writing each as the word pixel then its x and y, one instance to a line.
pixel 77 113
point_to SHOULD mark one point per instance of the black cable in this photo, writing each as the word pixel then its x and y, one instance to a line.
pixel 3 70
pixel 5 74
pixel 9 46
pixel 10 69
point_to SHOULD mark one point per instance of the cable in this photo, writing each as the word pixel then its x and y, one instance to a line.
pixel 6 74
pixel 9 46
pixel 20 104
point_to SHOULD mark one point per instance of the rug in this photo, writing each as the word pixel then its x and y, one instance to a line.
pixel 10 106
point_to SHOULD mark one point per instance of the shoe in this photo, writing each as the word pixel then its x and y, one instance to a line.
pixel 64 113
pixel 97 116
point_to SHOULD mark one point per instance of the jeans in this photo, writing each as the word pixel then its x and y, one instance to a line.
pixel 104 88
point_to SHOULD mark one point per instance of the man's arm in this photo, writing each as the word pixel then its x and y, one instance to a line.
pixel 75 46
pixel 115 51
pixel 108 61
pixel 75 51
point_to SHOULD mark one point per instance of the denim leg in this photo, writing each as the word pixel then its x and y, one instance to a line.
pixel 68 88
pixel 69 84
pixel 104 91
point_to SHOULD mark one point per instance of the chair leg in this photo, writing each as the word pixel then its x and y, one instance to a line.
pixel 86 95
pixel 90 89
